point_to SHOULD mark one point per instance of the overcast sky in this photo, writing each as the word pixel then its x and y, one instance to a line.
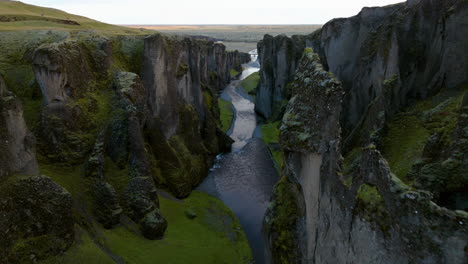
pixel 212 11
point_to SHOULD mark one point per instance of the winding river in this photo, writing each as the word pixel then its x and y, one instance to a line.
pixel 243 179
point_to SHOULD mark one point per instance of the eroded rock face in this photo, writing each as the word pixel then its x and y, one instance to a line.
pixel 35 219
pixel 340 215
pixel 385 57
pixel 122 142
pixel 183 77
pixel 278 57
pixel 178 70
pixel 18 145
pixel 70 75
pixel 395 55
pixel 161 130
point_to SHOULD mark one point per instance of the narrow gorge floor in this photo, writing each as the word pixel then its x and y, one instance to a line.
pixel 244 178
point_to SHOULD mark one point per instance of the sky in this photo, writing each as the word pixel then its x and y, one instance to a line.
pixel 212 11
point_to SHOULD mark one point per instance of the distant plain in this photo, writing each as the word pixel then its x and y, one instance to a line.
pixel 235 37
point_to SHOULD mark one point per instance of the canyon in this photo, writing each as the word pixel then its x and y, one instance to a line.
pixel 346 145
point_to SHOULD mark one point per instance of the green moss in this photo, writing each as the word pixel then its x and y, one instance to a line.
pixel 370 205
pixel 270 136
pixel 403 144
pixel 226 114
pixel 94 109
pixel 69 177
pixel 127 53
pixel 214 236
pixel 39 246
pixel 182 70
pixel 278 157
pixel 233 73
pixel 390 82
pixel 181 169
pixel 32 112
pixel 250 83
pixel 281 220
pixel 83 251
pixel 351 162
pixel 270 132
pixel 117 177
pixel 408 132
pixel 208 99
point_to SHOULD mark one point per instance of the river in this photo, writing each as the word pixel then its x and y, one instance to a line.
pixel 243 179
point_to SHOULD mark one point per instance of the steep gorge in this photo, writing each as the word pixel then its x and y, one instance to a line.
pixel 120 116
pixel 372 136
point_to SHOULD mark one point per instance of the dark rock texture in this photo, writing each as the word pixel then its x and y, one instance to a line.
pixel 35 219
pixel 385 56
pixel 70 93
pixel 278 57
pixel 320 200
pixel 17 143
pixel 153 225
pixel 183 77
pixel 116 135
pixel 394 55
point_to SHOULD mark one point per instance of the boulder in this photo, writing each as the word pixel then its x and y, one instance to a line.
pixel 153 225
pixel 36 219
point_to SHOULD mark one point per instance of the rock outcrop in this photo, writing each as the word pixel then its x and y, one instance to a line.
pixel 401 71
pixel 396 54
pixel 341 212
pixel 183 77
pixel 278 57
pixel 71 93
pixel 35 219
pixel 104 133
pixel 160 130
pixel 18 144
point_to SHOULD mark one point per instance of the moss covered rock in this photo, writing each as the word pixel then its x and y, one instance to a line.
pixel 18 144
pixel 36 219
pixel 153 225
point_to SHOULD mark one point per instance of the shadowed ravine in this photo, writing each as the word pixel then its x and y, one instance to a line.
pixel 244 178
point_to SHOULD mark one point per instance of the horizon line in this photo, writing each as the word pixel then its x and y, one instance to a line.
pixel 219 24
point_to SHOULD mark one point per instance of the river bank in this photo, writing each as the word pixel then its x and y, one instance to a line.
pixel 244 178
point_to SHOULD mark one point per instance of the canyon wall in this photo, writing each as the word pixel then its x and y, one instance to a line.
pixel 278 57
pixel 374 150
pixel 107 131
pixel 17 153
pixel 183 78
pixel 416 48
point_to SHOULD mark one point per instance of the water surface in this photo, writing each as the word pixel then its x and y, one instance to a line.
pixel 244 178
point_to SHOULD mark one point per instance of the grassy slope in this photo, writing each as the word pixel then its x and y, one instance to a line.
pixel 233 73
pixel 214 236
pixel 408 131
pixel 251 82
pixel 226 114
pixel 22 37
pixel 270 135
pixel 21 9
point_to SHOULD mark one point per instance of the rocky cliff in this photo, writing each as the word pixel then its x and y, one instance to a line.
pixel 183 77
pixel 107 132
pixel 17 152
pixel 278 57
pixel 402 52
pixel 389 98
pixel 35 212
